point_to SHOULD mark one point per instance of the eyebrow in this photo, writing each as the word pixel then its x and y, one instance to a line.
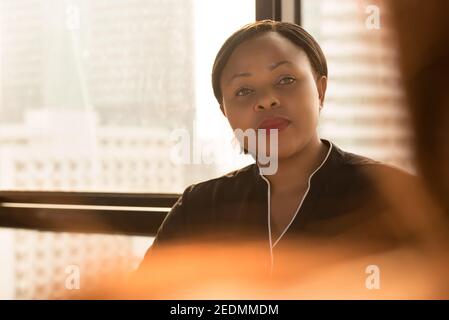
pixel 270 67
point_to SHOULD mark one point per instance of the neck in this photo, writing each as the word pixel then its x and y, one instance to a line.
pixel 293 172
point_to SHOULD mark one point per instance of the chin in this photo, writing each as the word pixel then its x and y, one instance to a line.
pixel 287 147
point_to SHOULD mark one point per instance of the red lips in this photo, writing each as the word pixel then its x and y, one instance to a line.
pixel 274 123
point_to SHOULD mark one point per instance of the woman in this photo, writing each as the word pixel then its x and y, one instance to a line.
pixel 273 75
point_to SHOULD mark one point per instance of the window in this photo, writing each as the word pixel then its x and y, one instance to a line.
pixel 91 95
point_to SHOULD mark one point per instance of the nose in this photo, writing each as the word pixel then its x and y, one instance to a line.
pixel 267 101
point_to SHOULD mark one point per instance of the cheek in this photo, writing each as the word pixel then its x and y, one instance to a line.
pixel 239 118
pixel 307 92
pixel 306 116
pixel 305 109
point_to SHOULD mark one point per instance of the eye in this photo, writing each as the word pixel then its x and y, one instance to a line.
pixel 243 92
pixel 287 80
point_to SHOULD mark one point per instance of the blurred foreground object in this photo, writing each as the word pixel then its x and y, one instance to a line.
pixel 422 33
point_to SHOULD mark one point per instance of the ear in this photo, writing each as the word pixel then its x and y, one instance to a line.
pixel 321 85
pixel 223 110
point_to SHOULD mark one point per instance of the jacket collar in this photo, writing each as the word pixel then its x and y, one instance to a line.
pixel 322 177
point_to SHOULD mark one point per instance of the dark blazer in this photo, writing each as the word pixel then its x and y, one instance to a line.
pixel 341 200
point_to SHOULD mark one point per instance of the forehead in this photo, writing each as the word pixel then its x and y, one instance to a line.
pixel 262 51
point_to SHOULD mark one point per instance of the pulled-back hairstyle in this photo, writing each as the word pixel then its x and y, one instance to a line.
pixel 291 31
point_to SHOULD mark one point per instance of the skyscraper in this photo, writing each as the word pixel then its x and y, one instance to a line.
pixel 90 91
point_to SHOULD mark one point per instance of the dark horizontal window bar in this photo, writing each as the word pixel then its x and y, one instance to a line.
pixel 85 212
pixel 91 198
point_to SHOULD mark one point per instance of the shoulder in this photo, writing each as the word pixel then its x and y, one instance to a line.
pixel 359 163
pixel 371 191
pixel 194 210
pixel 351 175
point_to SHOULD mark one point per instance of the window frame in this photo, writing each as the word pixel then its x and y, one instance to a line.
pixel 85 212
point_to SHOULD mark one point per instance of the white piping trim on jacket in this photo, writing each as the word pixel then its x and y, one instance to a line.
pixel 269 223
pixel 305 194
pixel 297 209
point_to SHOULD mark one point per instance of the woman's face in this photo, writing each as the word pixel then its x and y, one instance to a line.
pixel 268 82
